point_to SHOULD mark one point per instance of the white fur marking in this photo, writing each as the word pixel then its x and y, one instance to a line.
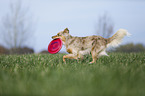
pixel 103 53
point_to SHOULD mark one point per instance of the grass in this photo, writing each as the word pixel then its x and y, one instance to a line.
pixel 120 74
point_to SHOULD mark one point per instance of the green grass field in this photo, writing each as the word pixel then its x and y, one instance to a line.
pixel 120 74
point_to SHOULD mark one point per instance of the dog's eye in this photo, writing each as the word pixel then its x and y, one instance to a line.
pixel 58 34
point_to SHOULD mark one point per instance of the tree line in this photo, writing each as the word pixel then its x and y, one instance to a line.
pixel 16 29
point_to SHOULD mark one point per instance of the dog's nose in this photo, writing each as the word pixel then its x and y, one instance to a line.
pixel 52 37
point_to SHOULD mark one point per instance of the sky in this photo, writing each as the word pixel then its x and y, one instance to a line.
pixel 81 17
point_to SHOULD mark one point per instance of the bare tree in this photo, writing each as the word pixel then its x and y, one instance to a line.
pixel 105 26
pixel 16 27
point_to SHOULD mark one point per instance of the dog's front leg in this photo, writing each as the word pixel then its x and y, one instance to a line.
pixel 69 56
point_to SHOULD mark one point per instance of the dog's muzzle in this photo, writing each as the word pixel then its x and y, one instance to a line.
pixel 54 37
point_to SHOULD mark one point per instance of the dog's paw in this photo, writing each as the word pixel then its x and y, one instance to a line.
pixel 91 62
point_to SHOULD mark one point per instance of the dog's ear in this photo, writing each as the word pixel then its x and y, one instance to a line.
pixel 66 30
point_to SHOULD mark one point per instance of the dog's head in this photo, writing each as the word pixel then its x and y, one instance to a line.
pixel 62 35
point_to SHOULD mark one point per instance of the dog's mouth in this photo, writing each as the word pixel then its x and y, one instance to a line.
pixel 55 37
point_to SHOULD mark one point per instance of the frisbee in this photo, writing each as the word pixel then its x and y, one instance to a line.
pixel 55 46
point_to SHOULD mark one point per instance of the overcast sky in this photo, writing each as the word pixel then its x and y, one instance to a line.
pixel 81 16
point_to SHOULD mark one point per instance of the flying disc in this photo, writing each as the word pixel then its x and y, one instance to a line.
pixel 55 46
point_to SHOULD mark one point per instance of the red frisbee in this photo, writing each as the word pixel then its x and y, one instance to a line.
pixel 55 46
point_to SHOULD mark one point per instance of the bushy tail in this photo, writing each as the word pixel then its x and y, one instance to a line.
pixel 116 39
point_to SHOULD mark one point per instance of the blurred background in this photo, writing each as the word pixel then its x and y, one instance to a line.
pixel 26 26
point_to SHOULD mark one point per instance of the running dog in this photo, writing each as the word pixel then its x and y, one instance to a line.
pixel 96 45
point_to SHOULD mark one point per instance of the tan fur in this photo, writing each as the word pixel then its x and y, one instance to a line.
pixel 96 45
pixel 69 50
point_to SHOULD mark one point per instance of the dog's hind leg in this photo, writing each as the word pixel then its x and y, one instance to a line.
pixel 69 56
pixel 95 52
pixel 94 56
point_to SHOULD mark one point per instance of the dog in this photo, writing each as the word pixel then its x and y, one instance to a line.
pixel 77 47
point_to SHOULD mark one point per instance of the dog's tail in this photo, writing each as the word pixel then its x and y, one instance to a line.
pixel 116 39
